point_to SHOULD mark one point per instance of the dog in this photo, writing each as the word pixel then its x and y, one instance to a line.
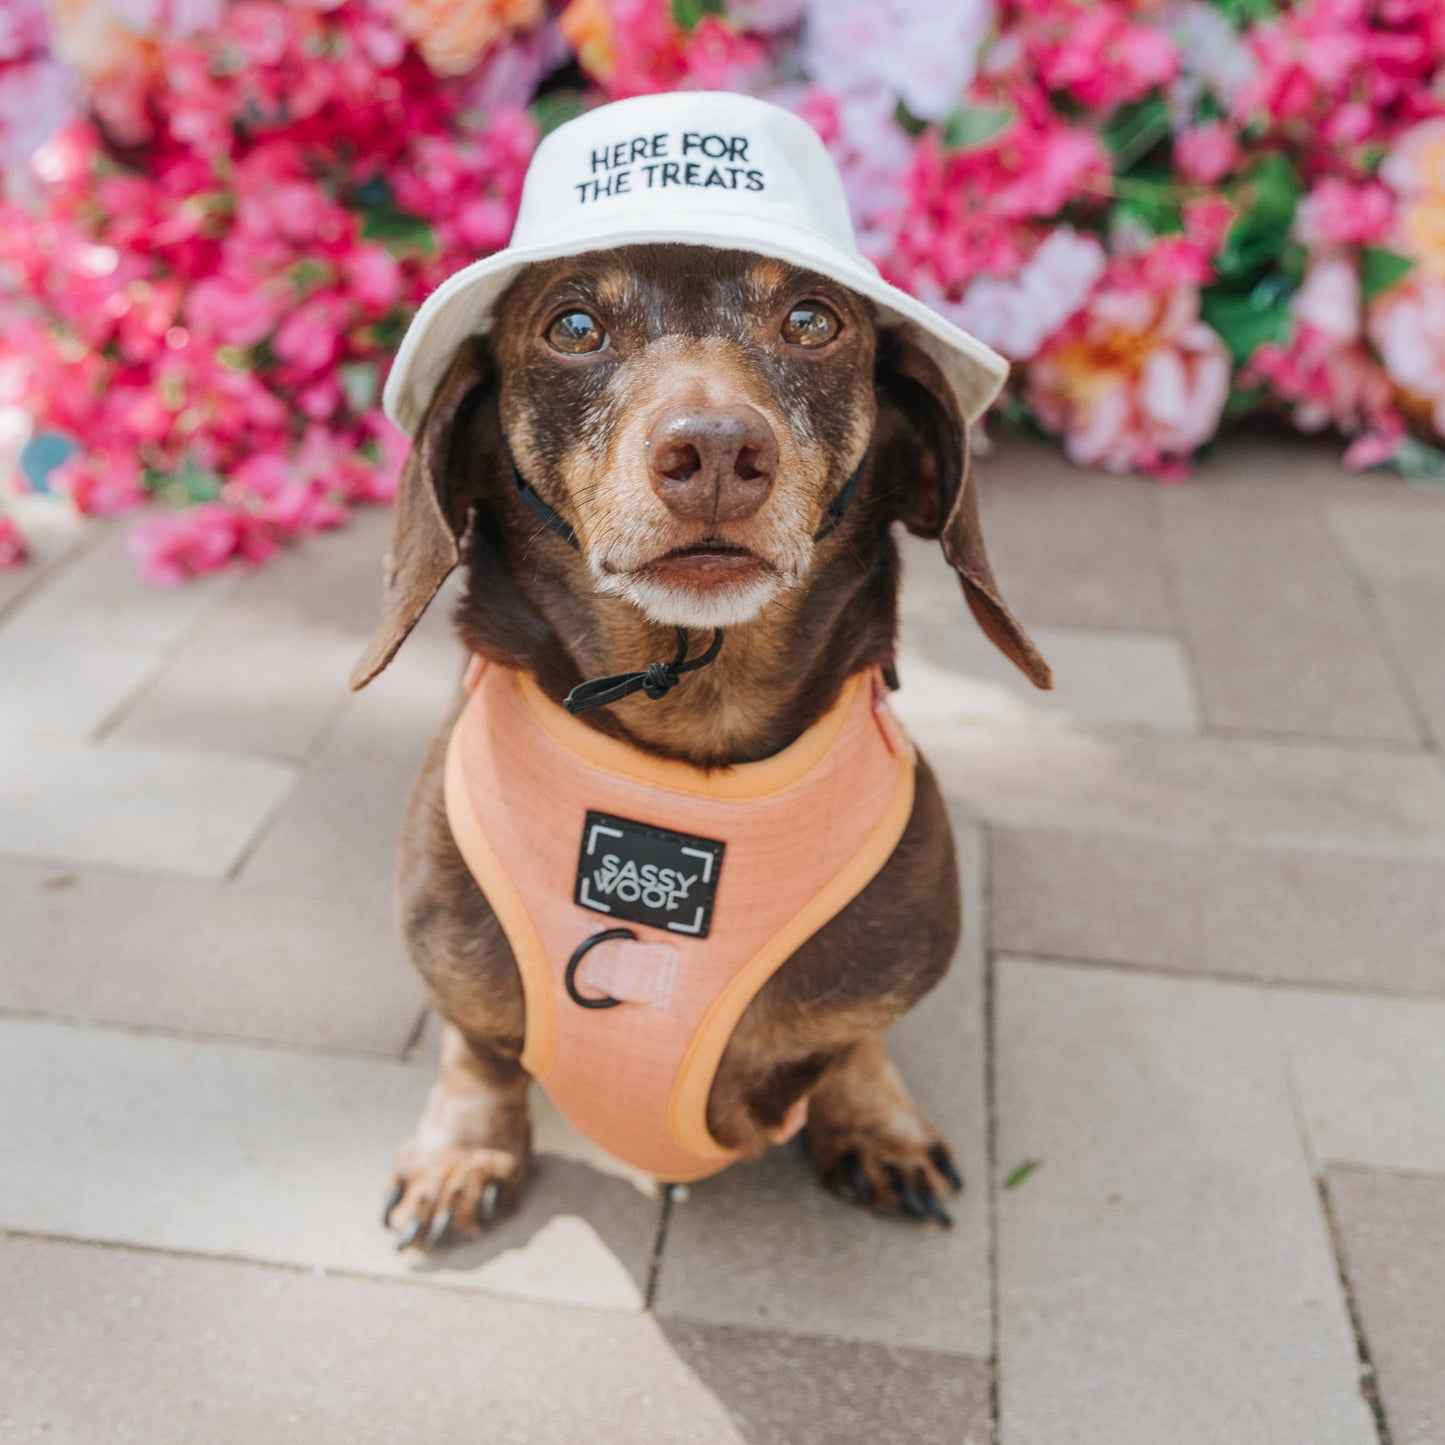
pixel 651 442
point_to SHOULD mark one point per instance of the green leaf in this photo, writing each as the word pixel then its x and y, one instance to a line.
pixel 1134 130
pixel 1245 399
pixel 1266 198
pixel 1150 200
pixel 556 108
pixel 399 231
pixel 373 193
pixel 1244 13
pixel 688 13
pixel 360 382
pixel 185 486
pixel 1022 1172
pixel 1381 269
pixel 966 126
pixel 386 333
pixel 914 125
pixel 309 273
pixel 1421 465
pixel 1247 321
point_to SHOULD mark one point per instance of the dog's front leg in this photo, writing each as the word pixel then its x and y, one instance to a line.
pixel 462 1167
pixel 872 1142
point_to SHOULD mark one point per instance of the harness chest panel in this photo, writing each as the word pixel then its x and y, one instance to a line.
pixel 647 902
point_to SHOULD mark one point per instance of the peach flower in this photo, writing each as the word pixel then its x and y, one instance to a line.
pixel 1415 171
pixel 1137 381
pixel 1407 327
pixel 453 35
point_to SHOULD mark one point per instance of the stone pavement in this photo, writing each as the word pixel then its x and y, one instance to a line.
pixel 1192 1054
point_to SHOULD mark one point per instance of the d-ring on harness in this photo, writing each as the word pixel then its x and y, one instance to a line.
pixel 658 678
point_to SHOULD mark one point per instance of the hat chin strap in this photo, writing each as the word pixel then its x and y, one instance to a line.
pixel 658 678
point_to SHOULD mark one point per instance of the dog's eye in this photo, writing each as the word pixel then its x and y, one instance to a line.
pixel 810 323
pixel 577 333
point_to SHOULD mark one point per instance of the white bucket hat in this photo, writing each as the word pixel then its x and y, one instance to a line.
pixel 696 168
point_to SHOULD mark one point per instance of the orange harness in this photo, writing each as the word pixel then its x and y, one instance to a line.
pixel 647 901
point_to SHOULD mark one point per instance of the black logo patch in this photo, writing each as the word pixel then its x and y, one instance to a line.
pixel 648 875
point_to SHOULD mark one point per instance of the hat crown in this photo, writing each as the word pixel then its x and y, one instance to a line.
pixel 687 153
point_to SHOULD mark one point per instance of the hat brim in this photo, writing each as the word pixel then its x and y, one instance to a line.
pixel 463 305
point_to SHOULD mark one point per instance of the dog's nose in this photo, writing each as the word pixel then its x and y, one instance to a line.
pixel 714 463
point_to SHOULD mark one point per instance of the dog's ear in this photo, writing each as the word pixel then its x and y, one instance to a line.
pixel 432 506
pixel 927 455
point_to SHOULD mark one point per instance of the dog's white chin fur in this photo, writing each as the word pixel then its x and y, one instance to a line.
pixel 682 607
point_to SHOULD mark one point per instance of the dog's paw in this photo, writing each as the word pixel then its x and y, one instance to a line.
pixel 450 1194
pixel 898 1166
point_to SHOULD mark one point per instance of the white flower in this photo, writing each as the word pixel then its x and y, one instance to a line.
pixel 925 52
pixel 1017 316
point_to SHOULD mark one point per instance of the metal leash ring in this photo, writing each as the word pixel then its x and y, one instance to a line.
pixel 581 952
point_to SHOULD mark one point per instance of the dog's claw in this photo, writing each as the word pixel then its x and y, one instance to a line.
pixel 439 1227
pixel 850 1169
pixel 943 1162
pixel 907 1199
pixel 931 1203
pixel 487 1204
pixel 409 1235
pixel 392 1200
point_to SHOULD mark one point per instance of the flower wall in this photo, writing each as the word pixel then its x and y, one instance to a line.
pixel 216 218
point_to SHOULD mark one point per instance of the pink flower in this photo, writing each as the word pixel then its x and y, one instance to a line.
pixel 1340 213
pixel 374 276
pixel 308 339
pixel 1137 381
pixel 101 485
pixel 231 311
pixel 1207 220
pixel 1095 52
pixel 23 29
pixel 1329 300
pixel 1326 382
pixel 13 550
pixel 871 150
pixel 175 546
pixel 1207 153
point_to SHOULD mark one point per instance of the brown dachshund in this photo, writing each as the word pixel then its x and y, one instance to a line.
pixel 691 413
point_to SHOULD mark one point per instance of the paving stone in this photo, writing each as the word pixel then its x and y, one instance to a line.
pixel 1318 796
pixel 807 1390
pixel 292 966
pixel 1392 539
pixel 341 826
pixel 1229 909
pixel 70 693
pixel 1279 635
pixel 103 597
pixel 1264 460
pixel 1070 546
pixel 280 1156
pixel 266 671
pixel 115 1347
pixel 137 808
pixel 1393 1233
pixel 1164 1272
pixel 54 533
pixel 1370 1073
pixel 1101 679
pixel 1410 610
pixel 763 1244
